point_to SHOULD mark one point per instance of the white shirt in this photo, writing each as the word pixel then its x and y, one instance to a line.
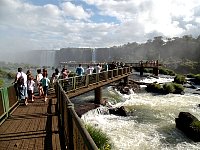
pixel 98 69
pixel 30 84
pixel 24 76
pixel 90 70
pixel 39 77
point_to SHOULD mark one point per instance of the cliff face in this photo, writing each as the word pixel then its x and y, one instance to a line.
pixel 168 51
pixel 73 54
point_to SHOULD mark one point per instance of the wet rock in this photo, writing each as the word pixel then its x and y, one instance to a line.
pixel 118 111
pixel 189 124
pixel 83 108
pixel 125 89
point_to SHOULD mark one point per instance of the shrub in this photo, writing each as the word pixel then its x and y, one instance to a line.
pixel 180 79
pixel 191 75
pixel 154 87
pixel 100 138
pixel 11 75
pixel 196 124
pixel 1 83
pixel 168 88
pixel 166 71
pixel 178 87
pixel 197 78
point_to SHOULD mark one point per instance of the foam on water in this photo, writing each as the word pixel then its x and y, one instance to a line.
pixel 150 124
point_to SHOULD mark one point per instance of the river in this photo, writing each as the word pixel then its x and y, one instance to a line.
pixel 150 124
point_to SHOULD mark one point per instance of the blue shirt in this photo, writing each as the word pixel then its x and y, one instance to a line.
pixel 79 71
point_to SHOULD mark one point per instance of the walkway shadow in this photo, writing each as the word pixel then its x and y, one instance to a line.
pixel 48 139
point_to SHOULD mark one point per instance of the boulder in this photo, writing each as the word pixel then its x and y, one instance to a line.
pixel 189 125
pixel 118 111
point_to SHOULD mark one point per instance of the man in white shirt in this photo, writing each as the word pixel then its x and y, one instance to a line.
pixel 22 87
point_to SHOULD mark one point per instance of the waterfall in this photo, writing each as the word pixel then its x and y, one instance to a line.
pixel 93 55
pixel 47 58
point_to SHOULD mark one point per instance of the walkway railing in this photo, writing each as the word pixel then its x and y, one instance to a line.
pixel 78 82
pixel 75 133
pixel 76 136
pixel 8 101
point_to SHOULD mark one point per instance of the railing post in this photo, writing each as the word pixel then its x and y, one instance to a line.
pixel 87 80
pixel 98 95
pixel 74 83
pixel 70 106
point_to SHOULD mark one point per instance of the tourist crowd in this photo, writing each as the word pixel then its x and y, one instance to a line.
pixel 25 84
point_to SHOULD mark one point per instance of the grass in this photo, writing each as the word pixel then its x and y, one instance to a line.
pixel 100 138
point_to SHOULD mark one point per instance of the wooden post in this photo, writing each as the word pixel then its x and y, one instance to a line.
pixel 155 71
pixel 98 95
pixel 141 71
pixel 126 80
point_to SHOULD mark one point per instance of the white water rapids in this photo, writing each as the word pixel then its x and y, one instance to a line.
pixel 150 124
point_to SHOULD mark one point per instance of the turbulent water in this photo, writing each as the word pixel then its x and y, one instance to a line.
pixel 150 124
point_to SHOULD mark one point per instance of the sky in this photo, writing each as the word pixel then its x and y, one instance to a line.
pixel 55 24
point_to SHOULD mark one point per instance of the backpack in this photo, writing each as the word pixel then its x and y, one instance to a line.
pixel 20 81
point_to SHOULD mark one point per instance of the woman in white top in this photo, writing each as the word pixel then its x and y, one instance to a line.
pixel 90 70
pixel 30 87
pixel 39 76
pixel 98 68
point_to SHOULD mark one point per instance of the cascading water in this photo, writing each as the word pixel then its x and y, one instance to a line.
pixel 93 55
pixel 47 58
pixel 150 124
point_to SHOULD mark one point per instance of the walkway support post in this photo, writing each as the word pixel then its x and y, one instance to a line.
pixel 98 95
pixel 126 80
pixel 141 71
pixel 155 71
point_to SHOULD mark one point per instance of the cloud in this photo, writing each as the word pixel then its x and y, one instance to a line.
pixel 72 24
pixel 72 10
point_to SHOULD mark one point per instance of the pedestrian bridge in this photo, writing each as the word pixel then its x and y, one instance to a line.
pixel 54 124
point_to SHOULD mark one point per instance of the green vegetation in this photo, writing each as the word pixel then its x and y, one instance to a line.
pixel 154 87
pixel 1 83
pixel 178 87
pixel 196 78
pixel 100 138
pixel 166 88
pixel 169 88
pixel 166 72
pixel 180 79
pixel 196 124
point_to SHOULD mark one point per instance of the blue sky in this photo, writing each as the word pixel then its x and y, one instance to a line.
pixel 55 24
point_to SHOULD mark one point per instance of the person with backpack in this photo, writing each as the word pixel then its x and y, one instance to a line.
pixel 21 84
pixel 45 84
pixel 79 70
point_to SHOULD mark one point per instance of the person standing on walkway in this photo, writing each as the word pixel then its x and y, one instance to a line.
pixel 21 82
pixel 65 73
pixel 98 68
pixel 55 76
pixel 45 84
pixel 79 70
pixel 30 86
pixel 39 76
pixel 90 69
